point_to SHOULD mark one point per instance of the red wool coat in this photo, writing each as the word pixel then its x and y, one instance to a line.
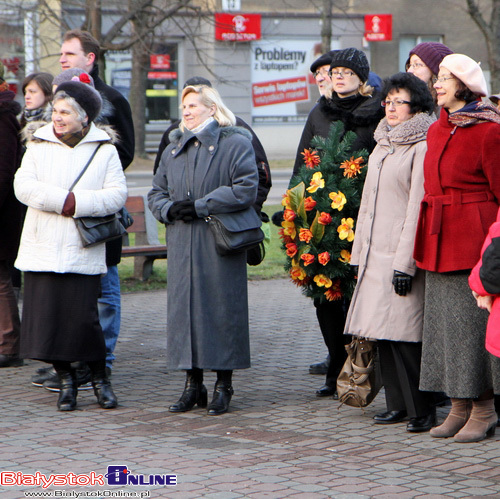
pixel 462 194
pixel 485 281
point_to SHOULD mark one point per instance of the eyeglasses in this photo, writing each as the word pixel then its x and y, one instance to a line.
pixel 396 103
pixel 416 65
pixel 321 72
pixel 442 79
pixel 342 74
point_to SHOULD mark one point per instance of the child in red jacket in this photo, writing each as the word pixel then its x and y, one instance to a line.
pixel 484 281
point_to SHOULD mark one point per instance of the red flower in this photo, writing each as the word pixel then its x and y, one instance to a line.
pixel 325 218
pixel 305 235
pixel 84 78
pixel 334 293
pixel 324 258
pixel 308 258
pixel 309 203
pixel 289 215
pixel 291 249
pixel 311 158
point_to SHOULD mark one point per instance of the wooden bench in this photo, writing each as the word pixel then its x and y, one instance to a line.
pixel 147 247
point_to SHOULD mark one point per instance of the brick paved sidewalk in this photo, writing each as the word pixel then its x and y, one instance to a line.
pixel 277 441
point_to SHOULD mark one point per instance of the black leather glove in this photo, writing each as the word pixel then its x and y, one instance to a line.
pixel 187 212
pixel 277 218
pixel 173 212
pixel 401 283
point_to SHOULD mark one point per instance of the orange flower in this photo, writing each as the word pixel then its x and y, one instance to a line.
pixel 338 200
pixel 345 256
pixel 324 258
pixel 325 218
pixel 285 239
pixel 291 249
pixel 309 203
pixel 285 201
pixel 308 258
pixel 334 293
pixel 305 235
pixel 345 229
pixel 352 166
pixel 321 280
pixel 289 215
pixel 311 158
pixel 289 229
pixel 297 273
pixel 317 182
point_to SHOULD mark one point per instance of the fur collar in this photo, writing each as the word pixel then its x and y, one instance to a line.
pixel 408 132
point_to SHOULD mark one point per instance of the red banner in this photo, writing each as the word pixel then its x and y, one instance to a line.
pixel 267 93
pixel 160 61
pixel 378 27
pixel 237 27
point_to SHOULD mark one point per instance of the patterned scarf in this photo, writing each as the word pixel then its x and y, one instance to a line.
pixel 71 139
pixel 3 85
pixel 474 113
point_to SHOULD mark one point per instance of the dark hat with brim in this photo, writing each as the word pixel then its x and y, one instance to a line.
pixel 87 97
pixel 197 80
pixel 322 60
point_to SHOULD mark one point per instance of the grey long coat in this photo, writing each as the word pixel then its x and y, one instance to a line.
pixel 207 304
pixel 385 234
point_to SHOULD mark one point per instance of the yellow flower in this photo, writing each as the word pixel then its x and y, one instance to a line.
pixel 345 229
pixel 321 280
pixel 289 229
pixel 317 182
pixel 345 256
pixel 297 273
pixel 285 201
pixel 352 166
pixel 338 200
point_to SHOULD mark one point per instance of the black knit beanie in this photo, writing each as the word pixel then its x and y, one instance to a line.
pixel 354 59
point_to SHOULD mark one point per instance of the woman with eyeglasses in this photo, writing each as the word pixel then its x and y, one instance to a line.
pixel 462 196
pixel 388 301
pixel 424 60
pixel 356 104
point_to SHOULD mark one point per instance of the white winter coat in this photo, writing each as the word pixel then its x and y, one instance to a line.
pixel 50 241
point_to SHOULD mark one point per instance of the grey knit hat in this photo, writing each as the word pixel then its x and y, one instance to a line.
pixel 75 75
pixel 354 59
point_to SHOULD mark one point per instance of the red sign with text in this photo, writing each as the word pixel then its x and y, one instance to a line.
pixel 378 27
pixel 160 61
pixel 267 93
pixel 237 27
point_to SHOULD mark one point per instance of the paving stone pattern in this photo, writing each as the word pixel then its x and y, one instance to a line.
pixel 277 441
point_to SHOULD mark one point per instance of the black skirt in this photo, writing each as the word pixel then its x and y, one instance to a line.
pixel 60 320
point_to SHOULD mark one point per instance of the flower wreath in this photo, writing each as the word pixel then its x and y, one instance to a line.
pixel 320 209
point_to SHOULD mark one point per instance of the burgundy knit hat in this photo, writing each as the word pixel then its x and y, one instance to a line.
pixel 432 53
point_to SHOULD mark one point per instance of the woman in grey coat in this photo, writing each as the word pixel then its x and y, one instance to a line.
pixel 208 168
pixel 388 301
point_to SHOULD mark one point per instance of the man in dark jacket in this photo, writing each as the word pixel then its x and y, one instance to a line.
pixel 10 223
pixel 80 50
pixel 260 155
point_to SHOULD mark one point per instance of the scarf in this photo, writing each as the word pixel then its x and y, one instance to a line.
pixel 34 114
pixel 474 113
pixel 71 139
pixel 3 85
pixel 347 103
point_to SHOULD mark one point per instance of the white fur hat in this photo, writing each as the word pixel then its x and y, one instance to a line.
pixel 467 71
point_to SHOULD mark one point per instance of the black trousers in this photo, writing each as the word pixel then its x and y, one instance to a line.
pixel 331 317
pixel 400 367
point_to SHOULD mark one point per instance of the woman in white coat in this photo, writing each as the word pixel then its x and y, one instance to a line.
pixel 60 321
pixel 387 304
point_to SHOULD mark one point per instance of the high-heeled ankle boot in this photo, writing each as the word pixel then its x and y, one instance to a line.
pixel 102 386
pixel 69 388
pixel 194 392
pixel 455 421
pixel 223 392
pixel 481 424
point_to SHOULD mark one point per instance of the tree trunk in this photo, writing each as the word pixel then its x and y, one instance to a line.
pixel 326 27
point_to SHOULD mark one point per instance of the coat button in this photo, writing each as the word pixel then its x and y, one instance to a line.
pixel 173 152
pixel 211 148
pixel 196 144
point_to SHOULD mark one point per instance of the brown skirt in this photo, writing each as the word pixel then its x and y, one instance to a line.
pixel 60 320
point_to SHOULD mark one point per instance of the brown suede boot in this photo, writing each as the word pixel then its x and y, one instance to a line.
pixel 482 422
pixel 457 417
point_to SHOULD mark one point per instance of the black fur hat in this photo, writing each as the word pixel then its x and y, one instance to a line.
pixel 87 97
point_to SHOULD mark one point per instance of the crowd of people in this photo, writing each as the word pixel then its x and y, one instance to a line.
pixel 425 252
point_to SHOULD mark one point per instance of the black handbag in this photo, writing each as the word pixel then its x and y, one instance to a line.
pixel 97 230
pixel 236 232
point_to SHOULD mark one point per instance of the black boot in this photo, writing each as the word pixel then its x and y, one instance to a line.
pixel 102 386
pixel 69 389
pixel 194 392
pixel 223 392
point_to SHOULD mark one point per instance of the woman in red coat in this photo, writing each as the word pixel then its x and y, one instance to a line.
pixel 462 195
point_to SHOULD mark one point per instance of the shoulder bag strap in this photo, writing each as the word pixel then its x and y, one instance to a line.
pixel 85 167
